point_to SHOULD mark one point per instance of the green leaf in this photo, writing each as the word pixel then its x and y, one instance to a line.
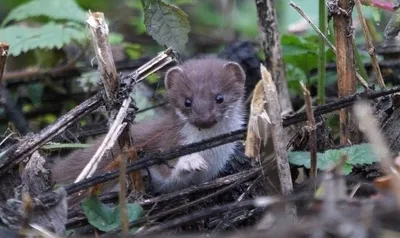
pixel 167 24
pixel 357 154
pixel 99 215
pixel 302 52
pixel 48 36
pixel 54 9
pixel 105 218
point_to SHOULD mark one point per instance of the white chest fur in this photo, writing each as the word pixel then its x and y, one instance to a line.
pixel 212 161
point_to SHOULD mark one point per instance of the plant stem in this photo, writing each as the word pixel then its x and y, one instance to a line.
pixel 322 55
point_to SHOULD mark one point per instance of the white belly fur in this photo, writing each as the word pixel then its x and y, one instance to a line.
pixel 216 158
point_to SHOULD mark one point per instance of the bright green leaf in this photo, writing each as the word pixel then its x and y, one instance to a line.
pixel 167 24
pixel 99 215
pixel 49 36
pixel 105 218
pixel 357 154
pixel 54 9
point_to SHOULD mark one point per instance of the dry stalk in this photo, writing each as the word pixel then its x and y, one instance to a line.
pixel 369 126
pixel 99 31
pixel 278 139
pixel 312 140
pixel 328 43
pixel 342 21
pixel 371 48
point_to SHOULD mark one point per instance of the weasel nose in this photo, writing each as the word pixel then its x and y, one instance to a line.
pixel 206 123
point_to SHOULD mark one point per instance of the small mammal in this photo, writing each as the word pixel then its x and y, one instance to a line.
pixel 206 100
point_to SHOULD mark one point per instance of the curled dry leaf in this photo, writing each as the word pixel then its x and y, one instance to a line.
pixel 258 125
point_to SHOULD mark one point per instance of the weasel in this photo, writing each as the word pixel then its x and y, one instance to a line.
pixel 205 100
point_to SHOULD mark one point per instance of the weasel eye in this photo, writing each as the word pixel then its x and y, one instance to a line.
pixel 219 98
pixel 188 102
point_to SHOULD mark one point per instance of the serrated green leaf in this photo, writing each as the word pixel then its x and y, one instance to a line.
pixel 48 36
pixel 167 24
pixel 357 154
pixel 54 9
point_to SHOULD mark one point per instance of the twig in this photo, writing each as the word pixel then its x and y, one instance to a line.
pixel 99 30
pixel 371 48
pixel 122 198
pixel 312 140
pixel 274 112
pixel 328 43
pixel 258 202
pixel 108 142
pixel 184 206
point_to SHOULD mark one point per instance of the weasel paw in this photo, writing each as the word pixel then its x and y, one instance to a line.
pixel 190 163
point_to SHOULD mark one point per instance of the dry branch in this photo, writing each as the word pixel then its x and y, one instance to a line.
pixel 278 137
pixel 99 30
pixel 371 48
pixel 312 140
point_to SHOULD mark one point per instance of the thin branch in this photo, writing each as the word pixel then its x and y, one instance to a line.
pixel 371 48
pixel 312 140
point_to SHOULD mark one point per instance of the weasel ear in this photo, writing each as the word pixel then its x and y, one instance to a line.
pixel 235 71
pixel 172 75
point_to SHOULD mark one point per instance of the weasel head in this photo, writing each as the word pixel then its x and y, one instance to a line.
pixel 205 91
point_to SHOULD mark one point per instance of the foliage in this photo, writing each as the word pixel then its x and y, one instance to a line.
pixel 48 35
pixel 357 154
pixel 166 23
pixel 105 218
pixel 54 9
pixel 300 53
